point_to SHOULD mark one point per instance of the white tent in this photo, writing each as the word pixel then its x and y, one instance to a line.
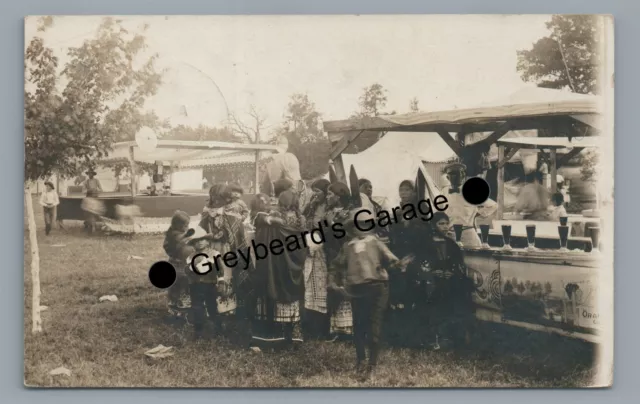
pixel 397 157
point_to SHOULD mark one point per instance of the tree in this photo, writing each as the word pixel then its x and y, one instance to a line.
pixel 302 119
pixel 413 105
pixel 567 58
pixel 370 104
pixel 303 129
pixel 251 131
pixel 73 118
pixel 372 101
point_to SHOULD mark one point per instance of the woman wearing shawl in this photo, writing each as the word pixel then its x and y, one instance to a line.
pixel 227 232
pixel 366 188
pixel 316 319
pixel 339 202
pixel 278 279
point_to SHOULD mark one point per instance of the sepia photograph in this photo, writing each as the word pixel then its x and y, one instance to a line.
pixel 344 201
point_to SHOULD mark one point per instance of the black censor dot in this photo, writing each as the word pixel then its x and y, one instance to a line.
pixel 475 190
pixel 162 274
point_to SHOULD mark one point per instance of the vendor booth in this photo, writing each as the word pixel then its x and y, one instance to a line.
pixel 538 275
pixel 175 183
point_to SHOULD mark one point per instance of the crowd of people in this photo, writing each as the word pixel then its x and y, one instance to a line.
pixel 355 288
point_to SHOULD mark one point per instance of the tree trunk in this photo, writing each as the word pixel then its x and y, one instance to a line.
pixel 35 263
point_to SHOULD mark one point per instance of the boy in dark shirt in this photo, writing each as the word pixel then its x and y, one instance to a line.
pixel 359 272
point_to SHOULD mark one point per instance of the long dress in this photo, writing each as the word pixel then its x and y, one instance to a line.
pixel 228 232
pixel 278 281
pixel 315 281
pixel 341 322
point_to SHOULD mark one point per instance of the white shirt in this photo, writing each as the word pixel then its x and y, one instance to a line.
pixel 49 198
pixel 462 212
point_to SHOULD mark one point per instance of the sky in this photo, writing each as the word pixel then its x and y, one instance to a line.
pixel 221 64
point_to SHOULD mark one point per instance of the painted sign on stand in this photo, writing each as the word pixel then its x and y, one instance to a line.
pixel 544 288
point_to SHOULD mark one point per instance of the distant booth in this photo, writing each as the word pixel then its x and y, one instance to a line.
pixel 547 281
pixel 168 178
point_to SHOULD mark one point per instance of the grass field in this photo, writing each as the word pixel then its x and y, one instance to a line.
pixel 103 343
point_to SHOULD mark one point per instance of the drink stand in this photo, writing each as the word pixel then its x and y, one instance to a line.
pixel 535 278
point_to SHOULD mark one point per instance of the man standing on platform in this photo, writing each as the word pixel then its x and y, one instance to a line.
pixel 462 212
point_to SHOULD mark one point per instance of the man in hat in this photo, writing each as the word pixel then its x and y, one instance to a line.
pixel 92 184
pixel 91 204
pixel 462 212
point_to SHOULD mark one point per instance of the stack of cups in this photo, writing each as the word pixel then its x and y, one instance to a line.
pixel 563 232
pixel 484 235
pixel 506 236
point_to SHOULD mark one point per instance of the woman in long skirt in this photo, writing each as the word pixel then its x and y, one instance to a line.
pixel 339 202
pixel 316 318
pixel 278 279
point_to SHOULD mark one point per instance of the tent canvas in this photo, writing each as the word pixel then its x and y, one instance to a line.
pixel 397 157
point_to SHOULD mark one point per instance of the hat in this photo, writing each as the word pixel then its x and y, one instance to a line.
pixel 455 166
pixel 91 171
pixel 196 234
pixel 559 178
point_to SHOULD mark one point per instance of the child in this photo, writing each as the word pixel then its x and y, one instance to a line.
pixel 205 281
pixel 234 203
pixel 447 284
pixel 176 247
pixel 49 201
pixel 359 272
pixel 557 210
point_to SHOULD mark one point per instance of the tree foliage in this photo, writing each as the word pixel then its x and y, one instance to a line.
pixel 302 119
pixel 74 116
pixel 567 58
pixel 372 101
pixel 370 104
pixel 303 129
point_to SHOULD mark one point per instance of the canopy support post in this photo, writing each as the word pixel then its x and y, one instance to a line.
pixel 501 163
pixel 451 142
pixel 553 170
pixel 341 145
pixel 512 152
pixel 338 166
pixel 132 166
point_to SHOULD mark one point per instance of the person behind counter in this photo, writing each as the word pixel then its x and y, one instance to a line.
pixel 557 210
pixel 462 212
pixel 533 199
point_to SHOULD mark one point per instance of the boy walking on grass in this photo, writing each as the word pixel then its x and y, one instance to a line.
pixel 359 272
